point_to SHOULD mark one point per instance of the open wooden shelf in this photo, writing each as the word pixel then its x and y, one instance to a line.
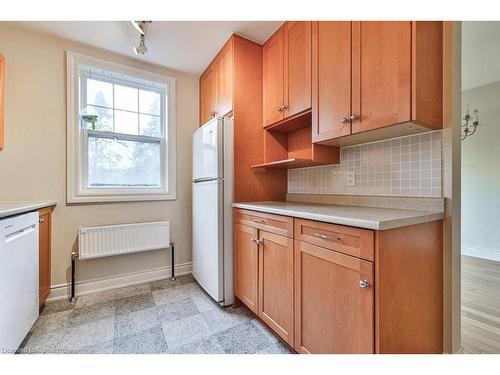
pixel 291 124
pixel 287 163
pixel 294 149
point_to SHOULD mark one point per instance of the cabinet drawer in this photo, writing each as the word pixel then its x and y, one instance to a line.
pixel 352 241
pixel 271 223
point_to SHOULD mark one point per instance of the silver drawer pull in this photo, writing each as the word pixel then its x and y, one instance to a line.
pixel 257 241
pixel 258 221
pixel 364 284
pixel 325 237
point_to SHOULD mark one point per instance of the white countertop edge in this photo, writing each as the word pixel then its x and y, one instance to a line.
pixel 427 216
pixel 16 208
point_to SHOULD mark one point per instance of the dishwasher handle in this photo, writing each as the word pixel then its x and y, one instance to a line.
pixel 19 233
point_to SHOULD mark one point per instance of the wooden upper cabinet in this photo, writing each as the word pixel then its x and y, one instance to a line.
pixel 369 75
pixel 427 90
pixel 224 78
pixel 297 67
pixel 333 312
pixel 246 265
pixel 208 95
pixel 331 86
pixel 2 100
pixel 217 85
pixel 381 74
pixel 276 284
pixel 273 76
pixel 287 72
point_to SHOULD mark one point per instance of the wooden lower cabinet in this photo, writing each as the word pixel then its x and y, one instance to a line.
pixel 44 248
pixel 334 301
pixel 276 284
pixel 327 288
pixel 246 265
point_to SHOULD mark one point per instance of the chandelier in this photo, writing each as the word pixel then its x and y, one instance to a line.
pixel 470 123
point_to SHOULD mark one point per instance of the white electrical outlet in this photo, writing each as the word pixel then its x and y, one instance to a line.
pixel 350 178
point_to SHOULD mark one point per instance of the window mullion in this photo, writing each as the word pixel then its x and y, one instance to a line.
pixel 125 137
pixel 138 115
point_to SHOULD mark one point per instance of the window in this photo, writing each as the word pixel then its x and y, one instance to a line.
pixel 126 152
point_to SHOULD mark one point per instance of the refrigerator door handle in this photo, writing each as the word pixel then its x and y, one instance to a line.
pixel 205 179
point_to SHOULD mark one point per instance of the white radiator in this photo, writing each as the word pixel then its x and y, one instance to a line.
pixel 107 240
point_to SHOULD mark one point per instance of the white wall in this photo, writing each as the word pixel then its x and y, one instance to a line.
pixel 33 164
pixel 481 175
pixel 481 57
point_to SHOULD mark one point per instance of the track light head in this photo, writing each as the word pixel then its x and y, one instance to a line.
pixel 141 27
pixel 141 49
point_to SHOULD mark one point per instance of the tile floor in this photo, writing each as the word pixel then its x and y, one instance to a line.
pixel 160 317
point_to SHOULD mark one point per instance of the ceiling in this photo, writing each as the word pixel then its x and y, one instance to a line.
pixel 185 46
pixel 480 53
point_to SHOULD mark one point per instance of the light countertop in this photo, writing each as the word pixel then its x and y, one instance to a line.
pixel 355 216
pixel 16 208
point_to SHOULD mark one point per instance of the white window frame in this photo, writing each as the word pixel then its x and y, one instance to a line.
pixel 77 187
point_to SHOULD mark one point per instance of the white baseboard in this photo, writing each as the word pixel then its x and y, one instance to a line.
pixel 481 252
pixel 62 291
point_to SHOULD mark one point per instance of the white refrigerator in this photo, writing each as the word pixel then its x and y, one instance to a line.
pixel 212 209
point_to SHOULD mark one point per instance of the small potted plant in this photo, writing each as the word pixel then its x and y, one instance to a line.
pixel 90 116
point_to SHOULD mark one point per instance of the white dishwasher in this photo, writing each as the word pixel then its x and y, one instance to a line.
pixel 18 279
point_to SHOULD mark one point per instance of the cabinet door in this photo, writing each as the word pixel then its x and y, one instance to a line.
pixel 246 265
pixel 44 231
pixel 272 57
pixel 297 67
pixel 381 74
pixel 331 45
pixel 333 313
pixel 276 284
pixel 208 99
pixel 224 75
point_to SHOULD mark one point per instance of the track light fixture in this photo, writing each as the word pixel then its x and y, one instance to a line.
pixel 141 27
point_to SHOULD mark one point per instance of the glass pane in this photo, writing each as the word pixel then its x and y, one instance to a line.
pixel 99 93
pixel 126 122
pixel 149 125
pixel 149 102
pixel 105 120
pixel 126 98
pixel 119 163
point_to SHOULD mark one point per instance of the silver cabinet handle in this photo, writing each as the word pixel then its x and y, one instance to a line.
pixel 257 241
pixel 41 220
pixel 364 284
pixel 284 108
pixel 354 117
pixel 279 109
pixel 260 221
pixel 344 120
pixel 325 237
pixel 213 114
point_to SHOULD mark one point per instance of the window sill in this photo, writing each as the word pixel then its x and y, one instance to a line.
pixel 120 198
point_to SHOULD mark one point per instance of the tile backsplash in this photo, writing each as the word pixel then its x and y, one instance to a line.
pixel 407 166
